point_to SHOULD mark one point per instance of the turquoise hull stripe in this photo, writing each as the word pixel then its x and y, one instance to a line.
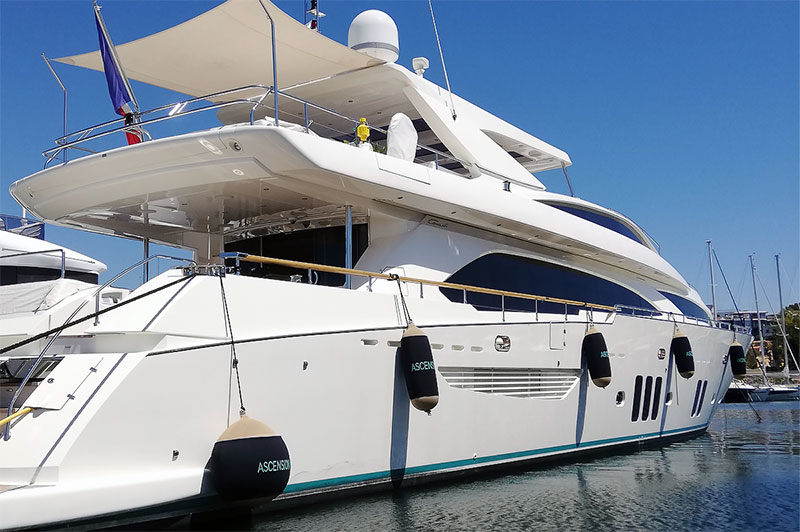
pixel 328 482
pixel 378 475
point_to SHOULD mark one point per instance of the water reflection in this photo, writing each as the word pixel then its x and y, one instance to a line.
pixel 740 475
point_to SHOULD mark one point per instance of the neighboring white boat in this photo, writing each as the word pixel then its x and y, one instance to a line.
pixel 741 392
pixel 40 285
pixel 554 325
pixel 784 392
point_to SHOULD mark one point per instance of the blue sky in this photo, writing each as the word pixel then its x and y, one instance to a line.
pixel 681 115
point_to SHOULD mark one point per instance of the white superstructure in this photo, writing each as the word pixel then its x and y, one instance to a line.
pixel 128 412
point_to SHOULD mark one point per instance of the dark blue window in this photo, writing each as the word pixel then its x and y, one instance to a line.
pixel 31 274
pixel 637 398
pixel 656 397
pixel 687 307
pixel 599 219
pixel 648 387
pixel 528 276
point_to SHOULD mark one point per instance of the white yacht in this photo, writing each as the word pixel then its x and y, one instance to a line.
pixel 281 364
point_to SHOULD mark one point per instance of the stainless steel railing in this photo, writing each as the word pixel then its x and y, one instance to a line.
pixel 43 252
pixel 180 109
pixel 74 313
pixel 641 312
pixel 638 312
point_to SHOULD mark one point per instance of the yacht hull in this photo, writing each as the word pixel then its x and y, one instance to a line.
pixel 138 433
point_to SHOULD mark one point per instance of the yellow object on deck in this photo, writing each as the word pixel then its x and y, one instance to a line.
pixel 362 131
pixel 16 415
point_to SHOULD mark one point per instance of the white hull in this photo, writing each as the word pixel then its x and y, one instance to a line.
pixel 345 418
pixel 129 416
pixel 780 392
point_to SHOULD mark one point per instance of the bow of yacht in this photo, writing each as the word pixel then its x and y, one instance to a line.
pixel 365 308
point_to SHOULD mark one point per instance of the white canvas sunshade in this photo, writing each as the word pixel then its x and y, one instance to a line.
pixel 228 47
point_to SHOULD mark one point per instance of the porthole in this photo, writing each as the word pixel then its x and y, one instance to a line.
pixel 620 398
pixel 668 399
pixel 713 396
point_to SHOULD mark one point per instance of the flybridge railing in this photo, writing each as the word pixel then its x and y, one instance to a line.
pixel 77 139
pixel 173 110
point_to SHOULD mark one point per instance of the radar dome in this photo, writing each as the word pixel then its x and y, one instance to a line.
pixel 374 33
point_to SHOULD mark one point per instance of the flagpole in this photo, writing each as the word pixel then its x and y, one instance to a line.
pixel 63 88
pixel 116 60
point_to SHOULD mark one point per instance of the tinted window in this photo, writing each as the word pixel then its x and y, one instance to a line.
pixel 656 397
pixel 684 305
pixel 637 398
pixel 648 386
pixel 529 276
pixel 321 246
pixel 600 219
pixel 696 397
pixel 29 274
pixel 702 398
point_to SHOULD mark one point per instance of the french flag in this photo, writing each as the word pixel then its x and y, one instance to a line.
pixel 120 97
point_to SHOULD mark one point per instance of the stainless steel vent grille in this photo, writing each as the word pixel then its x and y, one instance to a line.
pixel 538 383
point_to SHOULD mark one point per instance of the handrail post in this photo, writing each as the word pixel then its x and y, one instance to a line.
pixel 63 263
pixel 253 110
pixel 503 306
pixel 348 243
pixel 274 61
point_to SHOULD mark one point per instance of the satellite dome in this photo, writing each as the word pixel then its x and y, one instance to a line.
pixel 374 33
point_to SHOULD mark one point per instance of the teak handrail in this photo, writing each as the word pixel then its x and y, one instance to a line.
pixel 239 256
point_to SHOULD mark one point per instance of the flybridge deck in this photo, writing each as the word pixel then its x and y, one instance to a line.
pixel 195 190
pixel 313 67
pixel 200 189
pixel 184 190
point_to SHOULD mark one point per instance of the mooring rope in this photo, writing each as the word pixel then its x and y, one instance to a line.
pixel 727 285
pixel 396 277
pixel 93 315
pixel 229 327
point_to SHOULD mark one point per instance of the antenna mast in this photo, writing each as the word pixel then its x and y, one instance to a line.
pixel 783 320
pixel 441 54
pixel 758 317
pixel 713 286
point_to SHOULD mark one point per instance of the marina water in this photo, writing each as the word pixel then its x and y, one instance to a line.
pixel 743 474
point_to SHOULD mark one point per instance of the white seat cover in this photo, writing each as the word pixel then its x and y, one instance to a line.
pixel 401 138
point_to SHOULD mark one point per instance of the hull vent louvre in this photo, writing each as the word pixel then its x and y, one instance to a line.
pixel 530 383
